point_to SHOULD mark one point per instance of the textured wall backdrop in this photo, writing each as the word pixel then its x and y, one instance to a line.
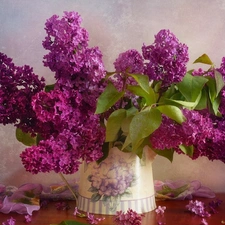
pixel 114 26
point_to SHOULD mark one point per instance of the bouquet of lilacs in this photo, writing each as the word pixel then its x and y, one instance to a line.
pixel 150 99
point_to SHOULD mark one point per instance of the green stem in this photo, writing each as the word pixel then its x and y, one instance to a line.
pixel 68 185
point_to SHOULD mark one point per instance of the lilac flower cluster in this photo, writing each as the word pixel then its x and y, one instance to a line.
pixel 64 118
pixel 92 219
pixel 130 61
pixel 203 210
pixel 10 221
pixel 17 87
pixel 198 208
pixel 71 131
pixel 195 130
pixel 66 40
pixel 167 58
pixel 129 218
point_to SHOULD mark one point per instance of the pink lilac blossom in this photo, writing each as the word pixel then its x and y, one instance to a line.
pixel 92 219
pixel 129 218
pixel 198 208
pixel 17 87
pixel 166 58
pixel 10 221
pixel 204 222
pixel 27 218
pixel 160 210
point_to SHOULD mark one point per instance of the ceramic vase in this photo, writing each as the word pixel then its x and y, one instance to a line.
pixel 122 181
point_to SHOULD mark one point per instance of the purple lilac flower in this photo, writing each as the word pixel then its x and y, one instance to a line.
pixel 71 129
pixel 130 61
pixel 206 133
pixel 213 147
pixel 201 72
pixel 129 218
pixel 221 69
pixel 213 205
pixel 17 87
pixel 10 221
pixel 198 208
pixel 66 40
pixel 62 206
pixel 167 58
pixel 222 102
pixel 194 131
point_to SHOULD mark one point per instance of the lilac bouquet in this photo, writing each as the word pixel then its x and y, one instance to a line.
pixel 150 99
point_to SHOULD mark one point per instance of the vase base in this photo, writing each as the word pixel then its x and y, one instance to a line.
pixel 142 205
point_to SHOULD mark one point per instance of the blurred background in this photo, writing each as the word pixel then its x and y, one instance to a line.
pixel 114 26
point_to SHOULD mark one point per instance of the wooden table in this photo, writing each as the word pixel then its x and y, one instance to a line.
pixel 175 214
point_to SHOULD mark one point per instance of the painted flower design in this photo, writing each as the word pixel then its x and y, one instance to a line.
pixel 111 179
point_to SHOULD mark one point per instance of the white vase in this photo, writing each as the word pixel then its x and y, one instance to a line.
pixel 122 181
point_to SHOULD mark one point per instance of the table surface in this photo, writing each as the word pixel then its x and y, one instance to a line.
pixel 175 213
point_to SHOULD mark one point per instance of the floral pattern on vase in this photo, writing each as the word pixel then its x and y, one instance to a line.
pixel 120 182
pixel 111 179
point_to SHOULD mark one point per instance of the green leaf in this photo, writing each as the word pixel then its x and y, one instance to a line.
pixel 95 197
pixel 105 149
pixel 219 82
pixel 139 150
pixel 93 189
pixel 71 222
pixel 143 124
pixel 25 138
pixel 109 74
pixel 172 112
pixel 215 106
pixel 142 80
pixel 202 104
pixel 204 59
pixel 167 153
pixel 108 98
pixel 211 84
pixel 191 86
pixel 125 126
pixel 166 190
pixel 190 105
pixel 127 142
pixel 49 87
pixel 132 111
pixel 188 150
pixel 150 96
pixel 114 124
